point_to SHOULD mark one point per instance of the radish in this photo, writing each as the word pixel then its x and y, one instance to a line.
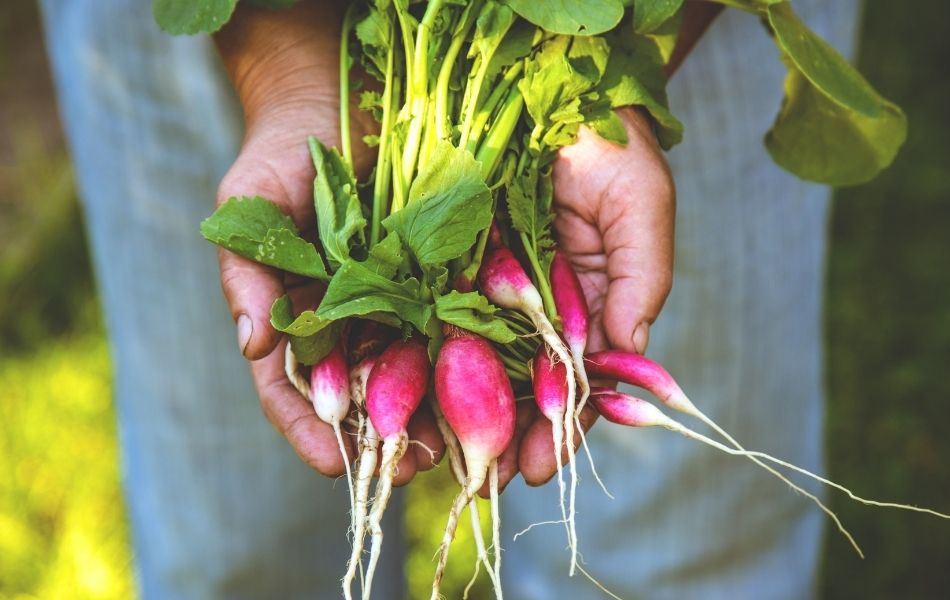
pixel 368 443
pixel 475 397
pixel 506 284
pixel 330 395
pixel 550 393
pixel 571 306
pixel 394 390
pixel 458 470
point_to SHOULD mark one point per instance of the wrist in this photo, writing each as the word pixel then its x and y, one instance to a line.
pixel 282 62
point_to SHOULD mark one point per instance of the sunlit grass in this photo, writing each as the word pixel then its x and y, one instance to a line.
pixel 62 523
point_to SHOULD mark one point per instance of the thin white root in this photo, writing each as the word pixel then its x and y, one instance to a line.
pixel 753 456
pixel 702 417
pixel 482 554
pixel 290 368
pixel 590 459
pixel 533 525
pixel 599 585
pixel 393 449
pixel 553 340
pixel 495 521
pixel 557 434
pixel 472 484
pixel 364 476
pixel 458 469
pixel 349 475
pixel 424 447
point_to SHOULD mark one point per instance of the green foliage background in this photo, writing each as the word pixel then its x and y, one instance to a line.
pixel 62 527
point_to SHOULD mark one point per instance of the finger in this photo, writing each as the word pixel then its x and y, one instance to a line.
pixel 637 219
pixel 430 446
pixel 508 461
pixel 536 458
pixel 293 416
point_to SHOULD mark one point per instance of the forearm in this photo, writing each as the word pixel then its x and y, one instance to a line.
pixel 697 16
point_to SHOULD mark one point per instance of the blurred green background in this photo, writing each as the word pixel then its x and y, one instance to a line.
pixel 62 527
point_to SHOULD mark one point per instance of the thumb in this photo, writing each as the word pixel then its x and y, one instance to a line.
pixel 249 287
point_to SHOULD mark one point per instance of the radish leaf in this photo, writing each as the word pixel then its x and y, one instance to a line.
pixel 449 204
pixel 833 127
pixel 649 15
pixel 634 76
pixel 311 337
pixel 818 139
pixel 358 290
pixel 256 229
pixel 189 17
pixel 339 212
pixel 570 17
pixel 473 312
pixel 817 60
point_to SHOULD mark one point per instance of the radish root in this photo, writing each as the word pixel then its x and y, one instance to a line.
pixel 495 520
pixel 464 497
pixel 455 461
pixel 687 432
pixel 393 449
pixel 554 342
pixel 364 475
pixel 753 454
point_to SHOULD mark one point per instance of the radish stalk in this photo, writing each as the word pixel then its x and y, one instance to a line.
pixel 506 284
pixel 394 390
pixel 474 394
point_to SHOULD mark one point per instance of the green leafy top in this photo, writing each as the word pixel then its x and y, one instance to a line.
pixel 473 99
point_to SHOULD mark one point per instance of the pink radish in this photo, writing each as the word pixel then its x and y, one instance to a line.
pixel 571 305
pixel 506 284
pixel 475 397
pixel 368 443
pixel 394 390
pixel 330 395
pixel 549 380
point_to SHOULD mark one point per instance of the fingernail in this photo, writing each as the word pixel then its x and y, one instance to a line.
pixel 245 327
pixel 641 337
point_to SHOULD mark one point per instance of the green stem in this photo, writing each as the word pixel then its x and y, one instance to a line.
pixel 448 65
pixel 493 146
pixel 513 365
pixel 541 279
pixel 485 113
pixel 383 174
pixel 345 85
pixel 417 100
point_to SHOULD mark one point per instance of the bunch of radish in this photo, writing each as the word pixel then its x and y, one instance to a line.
pixel 445 289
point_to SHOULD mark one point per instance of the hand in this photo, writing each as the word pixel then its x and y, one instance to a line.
pixel 615 210
pixel 284 66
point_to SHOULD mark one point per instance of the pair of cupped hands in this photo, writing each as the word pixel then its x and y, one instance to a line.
pixel 615 210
